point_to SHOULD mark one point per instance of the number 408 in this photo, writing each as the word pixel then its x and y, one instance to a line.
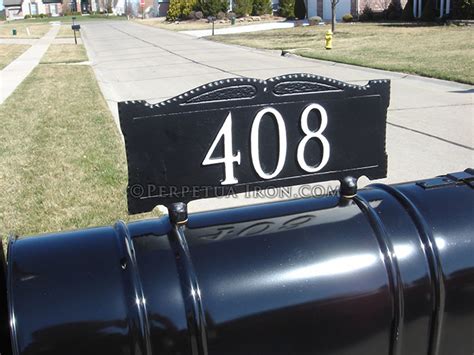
pixel 230 158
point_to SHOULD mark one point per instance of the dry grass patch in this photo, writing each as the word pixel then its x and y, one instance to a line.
pixel 24 30
pixel 9 52
pixel 65 31
pixel 65 53
pixel 199 25
pixel 62 159
pixel 429 51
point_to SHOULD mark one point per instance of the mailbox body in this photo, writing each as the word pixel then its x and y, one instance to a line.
pixel 389 272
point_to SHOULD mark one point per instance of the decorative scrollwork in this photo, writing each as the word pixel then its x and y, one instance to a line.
pixel 299 87
pixel 227 93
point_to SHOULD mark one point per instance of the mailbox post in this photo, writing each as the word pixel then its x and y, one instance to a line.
pixel 212 19
pixel 75 27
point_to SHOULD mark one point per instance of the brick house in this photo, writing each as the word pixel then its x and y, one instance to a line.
pixel 322 8
pixel 161 6
pixel 18 9
pixel 156 7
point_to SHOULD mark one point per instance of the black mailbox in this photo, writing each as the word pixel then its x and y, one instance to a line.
pixel 76 27
pixel 388 269
pixel 388 272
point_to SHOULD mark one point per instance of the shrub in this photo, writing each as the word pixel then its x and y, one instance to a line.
pixel 300 9
pixel 394 10
pixel 393 15
pixel 221 15
pixel 174 10
pixel 212 7
pixel 428 13
pixel 407 13
pixel 199 15
pixel 379 15
pixel 243 7
pixel 463 9
pixel 367 14
pixel 180 9
pixel 261 7
pixel 314 20
pixel 287 8
pixel 230 15
pixel 347 18
pixel 192 15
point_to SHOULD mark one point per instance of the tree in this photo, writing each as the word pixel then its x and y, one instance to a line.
pixel 66 6
pixel 287 8
pixel 261 7
pixel 212 7
pixel 128 8
pixel 243 7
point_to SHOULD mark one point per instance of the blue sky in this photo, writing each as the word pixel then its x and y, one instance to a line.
pixel 1 4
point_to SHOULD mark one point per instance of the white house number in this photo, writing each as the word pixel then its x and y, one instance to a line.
pixel 230 158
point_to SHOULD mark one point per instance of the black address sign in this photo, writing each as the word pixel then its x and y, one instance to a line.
pixel 238 134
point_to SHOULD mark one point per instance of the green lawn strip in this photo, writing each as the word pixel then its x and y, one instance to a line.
pixel 9 52
pixel 423 50
pixel 64 53
pixel 23 29
pixel 63 163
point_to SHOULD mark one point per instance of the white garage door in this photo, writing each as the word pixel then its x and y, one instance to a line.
pixel 343 7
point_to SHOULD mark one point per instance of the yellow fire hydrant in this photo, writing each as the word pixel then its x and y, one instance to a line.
pixel 328 39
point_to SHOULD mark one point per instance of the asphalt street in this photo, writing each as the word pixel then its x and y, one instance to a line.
pixel 430 128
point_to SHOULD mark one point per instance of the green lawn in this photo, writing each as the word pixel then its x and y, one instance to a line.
pixel 62 159
pixel 64 53
pixel 444 52
pixel 9 52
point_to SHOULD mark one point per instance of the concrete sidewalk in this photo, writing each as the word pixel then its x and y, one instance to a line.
pixel 14 73
pixel 430 122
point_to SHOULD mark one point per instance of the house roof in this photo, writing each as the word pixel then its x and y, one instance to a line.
pixel 51 1
pixel 12 2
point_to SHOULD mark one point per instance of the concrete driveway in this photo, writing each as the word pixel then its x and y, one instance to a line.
pixel 430 127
